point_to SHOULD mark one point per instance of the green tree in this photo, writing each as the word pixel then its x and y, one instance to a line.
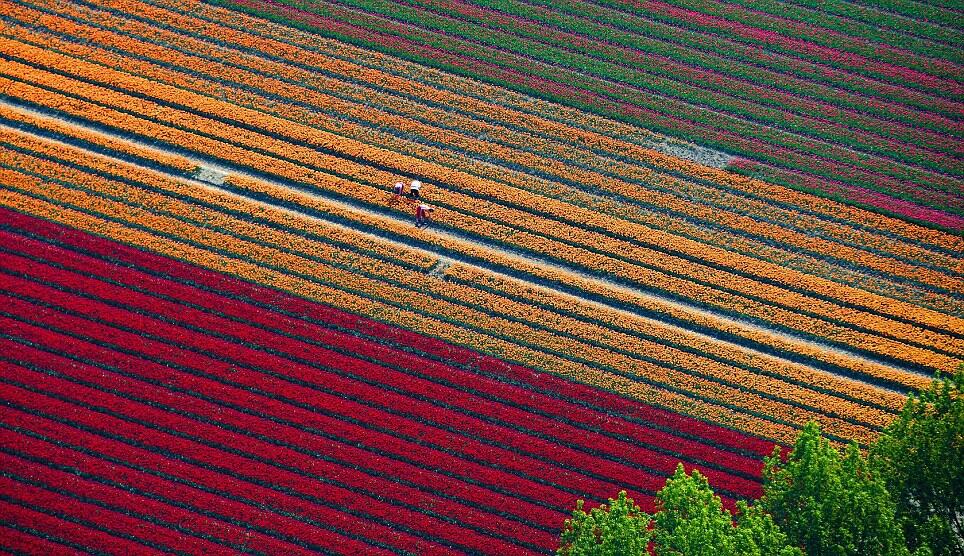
pixel 920 457
pixel 759 535
pixel 619 529
pixel 691 521
pixel 829 503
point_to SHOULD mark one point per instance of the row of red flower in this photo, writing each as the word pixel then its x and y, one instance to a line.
pixel 191 462
pixel 432 380
pixel 374 396
pixel 20 523
pixel 288 458
pixel 526 388
pixel 337 446
pixel 95 518
pixel 395 478
pixel 73 482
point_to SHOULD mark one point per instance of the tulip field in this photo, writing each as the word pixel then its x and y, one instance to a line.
pixel 663 231
pixel 834 108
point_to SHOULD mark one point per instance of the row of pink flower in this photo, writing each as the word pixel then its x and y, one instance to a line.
pixel 847 59
pixel 832 160
pixel 850 41
pixel 784 70
pixel 635 16
pixel 885 203
pixel 825 116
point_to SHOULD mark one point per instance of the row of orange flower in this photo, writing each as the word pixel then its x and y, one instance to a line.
pixel 326 84
pixel 498 303
pixel 700 321
pixel 549 228
pixel 475 225
pixel 143 209
pixel 173 162
pixel 332 232
pixel 555 148
pixel 692 248
pixel 525 112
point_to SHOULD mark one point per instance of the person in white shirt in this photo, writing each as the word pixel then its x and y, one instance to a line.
pixel 416 189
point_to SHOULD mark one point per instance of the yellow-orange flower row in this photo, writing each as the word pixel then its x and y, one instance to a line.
pixel 523 111
pixel 269 165
pixel 226 202
pixel 672 259
pixel 638 326
pixel 172 161
pixel 360 109
pixel 794 301
pixel 481 227
pixel 144 207
pixel 474 126
pixel 574 282
pixel 506 306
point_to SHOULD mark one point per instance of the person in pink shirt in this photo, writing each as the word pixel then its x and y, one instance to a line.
pixel 421 214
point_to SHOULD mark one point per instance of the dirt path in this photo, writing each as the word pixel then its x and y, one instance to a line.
pixel 211 175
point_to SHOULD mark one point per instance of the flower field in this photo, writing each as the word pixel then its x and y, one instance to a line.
pixel 275 360
pixel 805 111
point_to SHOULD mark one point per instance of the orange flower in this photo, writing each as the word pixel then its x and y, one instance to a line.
pixel 147 209
pixel 617 257
pixel 561 148
pixel 392 315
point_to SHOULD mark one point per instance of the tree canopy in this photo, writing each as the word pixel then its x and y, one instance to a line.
pixel 920 457
pixel 906 497
pixel 617 529
pixel 828 502
pixel 691 521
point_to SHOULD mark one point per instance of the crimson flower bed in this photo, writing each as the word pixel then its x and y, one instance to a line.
pixel 153 406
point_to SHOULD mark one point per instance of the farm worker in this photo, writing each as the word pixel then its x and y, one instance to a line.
pixel 399 188
pixel 421 214
pixel 416 189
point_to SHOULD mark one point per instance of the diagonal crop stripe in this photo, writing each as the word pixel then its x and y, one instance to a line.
pixel 384 375
pixel 101 373
pixel 357 277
